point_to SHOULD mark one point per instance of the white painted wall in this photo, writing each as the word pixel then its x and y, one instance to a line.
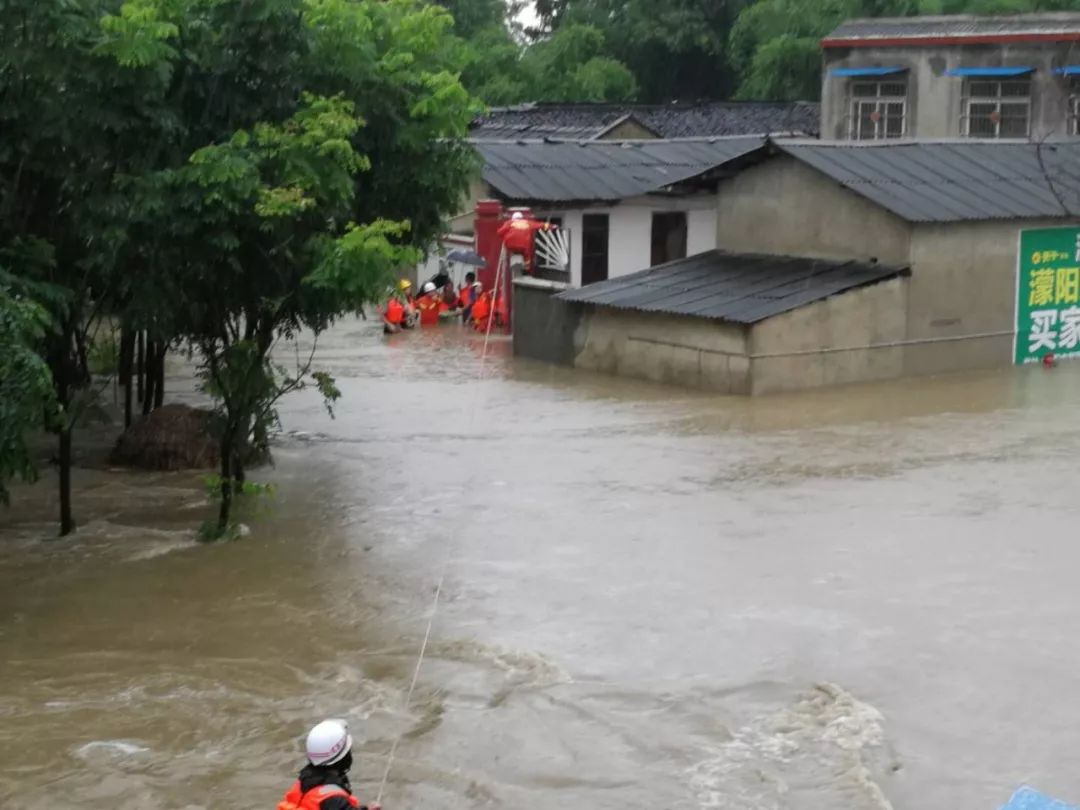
pixel 630 230
pixel 701 230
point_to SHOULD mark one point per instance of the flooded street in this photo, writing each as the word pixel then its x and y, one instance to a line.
pixel 860 598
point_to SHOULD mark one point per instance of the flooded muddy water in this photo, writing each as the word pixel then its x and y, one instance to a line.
pixel 860 598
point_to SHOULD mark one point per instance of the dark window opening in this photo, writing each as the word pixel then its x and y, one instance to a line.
pixel 668 237
pixel 594 248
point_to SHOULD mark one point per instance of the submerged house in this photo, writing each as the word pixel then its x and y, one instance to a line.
pixel 936 228
pixel 836 262
pixel 626 205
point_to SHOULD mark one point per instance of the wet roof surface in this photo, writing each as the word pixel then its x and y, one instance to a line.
pixel 586 121
pixel 956 180
pixel 741 288
pixel 601 170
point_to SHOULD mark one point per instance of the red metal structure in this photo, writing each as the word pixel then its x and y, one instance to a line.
pixel 490 216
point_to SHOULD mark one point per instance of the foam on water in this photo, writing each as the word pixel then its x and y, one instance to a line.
pixel 825 750
pixel 123 748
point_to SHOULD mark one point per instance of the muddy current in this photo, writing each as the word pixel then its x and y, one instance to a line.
pixel 861 598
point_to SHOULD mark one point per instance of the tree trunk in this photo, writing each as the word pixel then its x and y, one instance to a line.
pixel 82 363
pixel 159 375
pixel 225 509
pixel 67 522
pixel 127 365
pixel 62 378
pixel 150 369
pixel 140 363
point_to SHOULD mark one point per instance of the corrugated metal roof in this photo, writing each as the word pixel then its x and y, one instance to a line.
pixel 698 120
pixel 954 181
pixel 601 170
pixel 957 26
pixel 736 287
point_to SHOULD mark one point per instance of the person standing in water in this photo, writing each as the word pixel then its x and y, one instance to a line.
pixel 323 784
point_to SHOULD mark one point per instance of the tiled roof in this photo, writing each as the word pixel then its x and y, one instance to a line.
pixel 952 181
pixel 585 121
pixel 1040 26
pixel 601 170
pixel 741 288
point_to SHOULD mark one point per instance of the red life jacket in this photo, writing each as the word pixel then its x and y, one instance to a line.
pixel 313 799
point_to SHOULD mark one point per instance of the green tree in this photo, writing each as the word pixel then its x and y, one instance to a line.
pixel 675 49
pixel 319 147
pixel 492 68
pixel 570 65
pixel 26 389
pixel 471 17
pixel 65 137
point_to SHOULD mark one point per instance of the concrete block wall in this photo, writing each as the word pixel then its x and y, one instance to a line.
pixel 783 206
pixel 853 337
pixel 544 327
pixel 677 350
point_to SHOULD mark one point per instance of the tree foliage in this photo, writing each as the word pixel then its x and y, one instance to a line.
pixel 749 49
pixel 26 390
pixel 220 173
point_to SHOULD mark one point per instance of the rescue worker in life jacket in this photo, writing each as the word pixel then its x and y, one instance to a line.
pixel 517 237
pixel 467 297
pixel 399 312
pixel 323 784
pixel 429 305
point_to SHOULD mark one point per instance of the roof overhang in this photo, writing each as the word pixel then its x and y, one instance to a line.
pixel 854 72
pixel 1067 70
pixel 991 72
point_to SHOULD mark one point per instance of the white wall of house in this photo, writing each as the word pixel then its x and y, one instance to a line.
pixel 630 230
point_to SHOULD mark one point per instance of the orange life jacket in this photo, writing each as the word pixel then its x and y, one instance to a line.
pixel 481 308
pixel 395 312
pixel 429 309
pixel 295 799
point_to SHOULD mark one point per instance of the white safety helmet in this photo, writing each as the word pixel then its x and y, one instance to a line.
pixel 328 742
pixel 517 215
pixel 429 287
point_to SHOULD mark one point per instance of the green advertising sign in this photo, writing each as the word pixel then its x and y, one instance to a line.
pixel 1048 295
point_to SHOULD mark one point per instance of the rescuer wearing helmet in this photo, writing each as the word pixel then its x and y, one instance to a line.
pixel 323 784
pixel 429 304
pixel 517 237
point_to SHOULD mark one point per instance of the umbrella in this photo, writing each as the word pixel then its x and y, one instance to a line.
pixel 467 257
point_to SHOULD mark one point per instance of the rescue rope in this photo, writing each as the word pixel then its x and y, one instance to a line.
pixel 503 261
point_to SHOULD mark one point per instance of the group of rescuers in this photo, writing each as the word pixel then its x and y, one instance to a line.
pixel 478 307
pixel 404 311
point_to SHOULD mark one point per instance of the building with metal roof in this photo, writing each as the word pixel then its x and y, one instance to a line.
pixel 953 181
pixel 732 287
pixel 645 121
pixel 946 77
pixel 627 204
pixel 719 321
pixel 961 28
pixel 530 171
pixel 806 286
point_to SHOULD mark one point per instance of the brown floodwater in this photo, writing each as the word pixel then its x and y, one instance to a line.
pixel 861 598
